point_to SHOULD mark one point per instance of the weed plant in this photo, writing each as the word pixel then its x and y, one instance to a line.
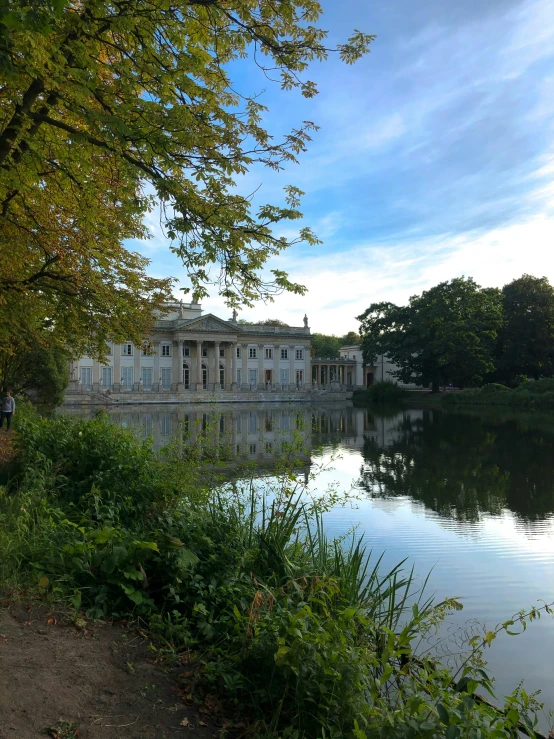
pixel 301 635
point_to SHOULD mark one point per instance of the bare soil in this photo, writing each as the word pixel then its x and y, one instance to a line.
pixel 92 681
pixel 6 445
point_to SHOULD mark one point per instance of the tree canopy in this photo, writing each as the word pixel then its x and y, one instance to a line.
pixel 40 373
pixel 324 345
pixel 446 334
pixel 110 106
pixel 526 341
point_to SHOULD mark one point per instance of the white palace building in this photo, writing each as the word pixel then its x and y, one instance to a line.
pixel 193 356
pixel 203 358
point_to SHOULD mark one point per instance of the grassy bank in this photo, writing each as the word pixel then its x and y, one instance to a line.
pixel 299 635
pixel 530 395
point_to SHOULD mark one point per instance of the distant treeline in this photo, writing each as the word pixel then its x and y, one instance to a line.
pixel 324 345
pixel 458 333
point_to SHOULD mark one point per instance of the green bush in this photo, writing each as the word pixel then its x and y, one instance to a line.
pixel 532 395
pixel 382 393
pixel 537 387
pixel 303 636
pixel 493 387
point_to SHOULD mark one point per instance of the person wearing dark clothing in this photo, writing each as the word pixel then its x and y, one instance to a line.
pixel 8 410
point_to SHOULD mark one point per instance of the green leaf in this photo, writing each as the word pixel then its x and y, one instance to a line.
pixel 489 637
pixel 280 654
pixel 186 558
pixel 443 714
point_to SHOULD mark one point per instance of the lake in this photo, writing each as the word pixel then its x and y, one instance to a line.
pixel 466 497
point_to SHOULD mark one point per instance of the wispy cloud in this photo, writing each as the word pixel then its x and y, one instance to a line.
pixel 435 157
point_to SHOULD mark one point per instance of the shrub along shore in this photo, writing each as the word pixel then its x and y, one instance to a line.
pixel 531 395
pixel 299 635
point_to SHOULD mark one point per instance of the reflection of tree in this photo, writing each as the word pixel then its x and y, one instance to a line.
pixel 462 466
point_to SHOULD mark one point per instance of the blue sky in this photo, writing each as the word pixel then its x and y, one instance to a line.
pixel 435 157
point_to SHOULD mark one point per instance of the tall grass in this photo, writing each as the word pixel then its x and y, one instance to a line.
pixel 303 636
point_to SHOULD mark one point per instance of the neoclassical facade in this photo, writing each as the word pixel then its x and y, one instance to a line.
pixel 192 353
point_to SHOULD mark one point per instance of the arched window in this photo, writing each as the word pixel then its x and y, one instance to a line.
pixel 222 377
pixel 186 376
pixel 204 377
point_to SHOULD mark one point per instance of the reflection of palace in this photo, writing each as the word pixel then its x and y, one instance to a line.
pixel 259 433
pixel 234 432
pixel 352 426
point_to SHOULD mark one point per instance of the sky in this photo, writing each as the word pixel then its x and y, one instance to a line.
pixel 434 158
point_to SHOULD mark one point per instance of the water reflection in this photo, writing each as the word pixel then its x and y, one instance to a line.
pixel 468 498
pixel 462 466
pixel 458 466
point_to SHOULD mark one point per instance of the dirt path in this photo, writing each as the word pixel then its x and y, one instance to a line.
pixel 6 446
pixel 96 682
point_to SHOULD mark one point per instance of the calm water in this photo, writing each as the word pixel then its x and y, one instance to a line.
pixel 468 497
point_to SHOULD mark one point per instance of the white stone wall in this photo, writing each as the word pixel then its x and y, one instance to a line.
pixel 382 370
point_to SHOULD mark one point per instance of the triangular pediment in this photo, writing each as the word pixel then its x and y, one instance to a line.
pixel 210 324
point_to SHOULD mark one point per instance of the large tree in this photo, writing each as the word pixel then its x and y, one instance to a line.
pixel 324 345
pixel 41 373
pixel 350 339
pixel 526 341
pixel 446 334
pixel 110 106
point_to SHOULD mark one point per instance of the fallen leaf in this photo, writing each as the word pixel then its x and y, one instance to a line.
pixel 185 722
pixel 202 723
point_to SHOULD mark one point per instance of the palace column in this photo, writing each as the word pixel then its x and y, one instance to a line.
pixel 244 357
pixel 261 378
pixel 233 366
pixel 176 375
pixel 180 379
pixel 292 378
pixel 156 380
pixel 116 367
pixel 275 371
pixel 136 368
pixel 216 367
pixel 95 375
pixel 308 378
pixel 199 385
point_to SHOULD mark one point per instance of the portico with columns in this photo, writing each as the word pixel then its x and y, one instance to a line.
pixel 188 352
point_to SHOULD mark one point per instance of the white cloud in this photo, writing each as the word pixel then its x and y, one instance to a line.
pixel 343 285
pixel 380 133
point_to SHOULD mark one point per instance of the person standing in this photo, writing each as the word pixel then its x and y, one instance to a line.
pixel 8 410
